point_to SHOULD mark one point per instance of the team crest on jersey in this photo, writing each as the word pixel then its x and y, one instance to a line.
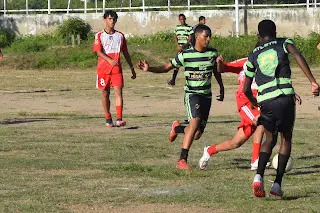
pixel 197 106
pixel 211 59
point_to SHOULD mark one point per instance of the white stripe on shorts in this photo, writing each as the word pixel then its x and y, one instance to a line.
pixel 248 112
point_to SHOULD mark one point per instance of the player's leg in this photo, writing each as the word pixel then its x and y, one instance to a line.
pixel 103 83
pixel 117 83
pixel 286 120
pixel 257 140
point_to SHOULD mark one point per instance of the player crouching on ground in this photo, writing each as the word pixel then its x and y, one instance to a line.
pixel 199 62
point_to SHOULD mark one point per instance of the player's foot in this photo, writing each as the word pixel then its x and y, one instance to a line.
pixel 120 123
pixel 173 135
pixel 276 190
pixel 171 82
pixel 203 162
pixel 254 165
pixel 257 186
pixel 182 164
pixel 109 123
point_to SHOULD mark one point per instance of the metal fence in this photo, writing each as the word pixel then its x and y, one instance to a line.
pixel 98 6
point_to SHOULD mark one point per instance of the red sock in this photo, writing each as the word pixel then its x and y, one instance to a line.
pixel 119 112
pixel 107 115
pixel 212 150
pixel 255 152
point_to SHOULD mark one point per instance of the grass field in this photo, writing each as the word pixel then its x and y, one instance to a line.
pixel 57 156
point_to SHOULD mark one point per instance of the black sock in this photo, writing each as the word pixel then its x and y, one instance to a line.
pixel 174 75
pixel 263 160
pixel 109 120
pixel 179 129
pixel 184 154
pixel 282 163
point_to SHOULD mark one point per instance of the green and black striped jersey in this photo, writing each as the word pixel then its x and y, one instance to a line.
pixel 198 69
pixel 270 66
pixel 182 32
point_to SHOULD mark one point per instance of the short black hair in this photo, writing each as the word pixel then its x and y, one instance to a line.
pixel 202 27
pixel 111 13
pixel 267 28
pixel 201 18
pixel 182 15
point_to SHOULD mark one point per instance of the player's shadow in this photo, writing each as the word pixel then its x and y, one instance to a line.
pixel 240 162
pixel 24 120
pixel 132 127
pixel 308 157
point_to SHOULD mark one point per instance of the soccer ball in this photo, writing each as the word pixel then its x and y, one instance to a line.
pixel 275 163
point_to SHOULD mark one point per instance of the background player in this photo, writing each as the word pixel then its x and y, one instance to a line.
pixel 270 66
pixel 108 44
pixel 199 62
pixel 183 35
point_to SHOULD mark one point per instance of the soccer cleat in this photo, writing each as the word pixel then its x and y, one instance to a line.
pixel 109 123
pixel 257 186
pixel 120 123
pixel 173 135
pixel 254 165
pixel 171 82
pixel 276 190
pixel 182 164
pixel 203 162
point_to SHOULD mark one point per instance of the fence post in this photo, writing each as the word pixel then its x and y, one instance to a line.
pixel 103 6
pixel 96 4
pixel 315 3
pixel 308 4
pixel 27 12
pixel 69 2
pixel 4 7
pixel 236 4
pixel 168 5
pixel 49 7
pixel 143 6
pixel 85 6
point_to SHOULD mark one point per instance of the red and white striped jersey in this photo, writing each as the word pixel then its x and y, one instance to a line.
pixel 111 45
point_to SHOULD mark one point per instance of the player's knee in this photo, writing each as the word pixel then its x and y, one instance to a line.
pixel 197 136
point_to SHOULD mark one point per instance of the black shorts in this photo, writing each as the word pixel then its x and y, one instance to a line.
pixel 198 106
pixel 278 115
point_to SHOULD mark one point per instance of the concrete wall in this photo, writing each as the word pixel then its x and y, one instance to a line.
pixel 289 21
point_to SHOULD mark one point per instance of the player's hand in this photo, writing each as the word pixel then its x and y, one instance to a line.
pixel 255 120
pixel 143 65
pixel 113 62
pixel 315 89
pixel 179 48
pixel 134 75
pixel 298 99
pixel 254 104
pixel 219 58
pixel 220 97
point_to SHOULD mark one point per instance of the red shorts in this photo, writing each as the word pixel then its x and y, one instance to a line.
pixel 247 114
pixel 109 80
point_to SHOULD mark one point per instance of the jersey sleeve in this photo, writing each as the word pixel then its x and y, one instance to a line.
pixel 178 61
pixel 235 66
pixel 249 69
pixel 285 43
pixel 97 46
pixel 124 47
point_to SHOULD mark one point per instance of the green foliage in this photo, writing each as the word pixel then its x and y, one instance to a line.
pixel 74 26
pixel 6 37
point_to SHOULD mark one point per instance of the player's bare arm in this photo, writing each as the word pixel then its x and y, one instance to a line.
pixel 248 92
pixel 220 64
pixel 128 59
pixel 218 78
pixel 107 58
pixel 302 63
pixel 144 65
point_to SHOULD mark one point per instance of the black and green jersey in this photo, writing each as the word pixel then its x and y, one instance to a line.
pixel 182 32
pixel 269 64
pixel 198 68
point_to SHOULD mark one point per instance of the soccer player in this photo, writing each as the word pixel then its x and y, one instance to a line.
pixel 199 62
pixel 202 20
pixel 183 35
pixel 108 44
pixel 247 114
pixel 270 66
